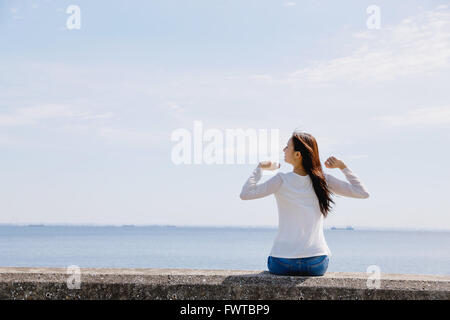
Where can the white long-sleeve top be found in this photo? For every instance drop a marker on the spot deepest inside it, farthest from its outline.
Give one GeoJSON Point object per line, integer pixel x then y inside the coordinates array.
{"type": "Point", "coordinates": [300, 221]}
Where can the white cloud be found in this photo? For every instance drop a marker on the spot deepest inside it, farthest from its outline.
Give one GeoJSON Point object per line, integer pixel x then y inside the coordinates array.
{"type": "Point", "coordinates": [106, 115]}
{"type": "Point", "coordinates": [32, 115]}
{"type": "Point", "coordinates": [289, 4]}
{"type": "Point", "coordinates": [6, 140]}
{"type": "Point", "coordinates": [419, 45]}
{"type": "Point", "coordinates": [175, 107]}
{"type": "Point", "coordinates": [436, 116]}
{"type": "Point", "coordinates": [175, 110]}
{"type": "Point", "coordinates": [356, 156]}
{"type": "Point", "coordinates": [263, 77]}
{"type": "Point", "coordinates": [131, 136]}
{"type": "Point", "coordinates": [78, 121]}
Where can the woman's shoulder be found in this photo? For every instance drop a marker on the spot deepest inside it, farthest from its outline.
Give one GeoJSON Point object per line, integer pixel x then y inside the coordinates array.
{"type": "Point", "coordinates": [292, 178]}
{"type": "Point", "coordinates": [278, 177]}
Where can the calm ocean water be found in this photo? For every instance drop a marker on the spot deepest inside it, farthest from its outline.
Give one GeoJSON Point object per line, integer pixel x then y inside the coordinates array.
{"type": "Point", "coordinates": [421, 252]}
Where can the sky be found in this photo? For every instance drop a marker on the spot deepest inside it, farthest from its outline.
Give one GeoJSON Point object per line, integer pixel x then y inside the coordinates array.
{"type": "Point", "coordinates": [87, 115]}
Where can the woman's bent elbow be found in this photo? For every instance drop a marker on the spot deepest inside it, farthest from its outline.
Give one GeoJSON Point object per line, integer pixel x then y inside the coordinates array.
{"type": "Point", "coordinates": [364, 195]}
{"type": "Point", "coordinates": [247, 196]}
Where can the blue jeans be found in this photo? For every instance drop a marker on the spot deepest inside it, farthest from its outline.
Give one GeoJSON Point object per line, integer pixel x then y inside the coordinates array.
{"type": "Point", "coordinates": [310, 266]}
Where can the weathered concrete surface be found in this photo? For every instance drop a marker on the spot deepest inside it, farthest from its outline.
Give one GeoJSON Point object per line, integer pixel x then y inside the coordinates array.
{"type": "Point", "coordinates": [51, 283]}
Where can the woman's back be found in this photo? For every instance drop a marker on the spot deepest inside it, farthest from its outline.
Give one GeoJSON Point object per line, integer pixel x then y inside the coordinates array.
{"type": "Point", "coordinates": [300, 221]}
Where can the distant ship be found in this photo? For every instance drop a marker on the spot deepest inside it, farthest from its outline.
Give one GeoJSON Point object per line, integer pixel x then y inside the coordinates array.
{"type": "Point", "coordinates": [346, 228]}
{"type": "Point", "coordinates": [36, 225]}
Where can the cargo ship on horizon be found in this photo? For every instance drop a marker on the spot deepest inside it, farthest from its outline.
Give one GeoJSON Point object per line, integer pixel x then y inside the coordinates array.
{"type": "Point", "coordinates": [346, 228]}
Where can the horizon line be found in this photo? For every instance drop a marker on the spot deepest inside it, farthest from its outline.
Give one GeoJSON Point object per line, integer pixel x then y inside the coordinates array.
{"type": "Point", "coordinates": [215, 226]}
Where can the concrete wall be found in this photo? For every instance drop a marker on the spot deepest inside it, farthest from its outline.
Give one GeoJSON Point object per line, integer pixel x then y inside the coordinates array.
{"type": "Point", "coordinates": [52, 283]}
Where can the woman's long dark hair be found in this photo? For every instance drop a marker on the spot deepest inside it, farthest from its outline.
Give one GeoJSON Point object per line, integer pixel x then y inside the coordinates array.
{"type": "Point", "coordinates": [307, 145]}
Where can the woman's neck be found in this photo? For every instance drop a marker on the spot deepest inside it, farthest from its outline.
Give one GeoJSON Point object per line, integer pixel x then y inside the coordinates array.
{"type": "Point", "coordinates": [300, 170]}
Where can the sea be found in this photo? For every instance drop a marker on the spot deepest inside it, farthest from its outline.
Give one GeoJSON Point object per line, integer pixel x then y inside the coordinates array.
{"type": "Point", "coordinates": [236, 248]}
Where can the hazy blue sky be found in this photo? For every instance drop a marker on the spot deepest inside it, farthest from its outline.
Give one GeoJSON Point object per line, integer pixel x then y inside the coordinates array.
{"type": "Point", "coordinates": [86, 115]}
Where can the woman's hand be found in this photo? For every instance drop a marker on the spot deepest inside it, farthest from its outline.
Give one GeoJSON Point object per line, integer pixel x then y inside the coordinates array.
{"type": "Point", "coordinates": [333, 162]}
{"type": "Point", "coordinates": [268, 165]}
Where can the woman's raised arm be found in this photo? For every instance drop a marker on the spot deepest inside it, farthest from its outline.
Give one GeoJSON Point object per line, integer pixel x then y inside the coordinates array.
{"type": "Point", "coordinates": [253, 190]}
{"type": "Point", "coordinates": [353, 188]}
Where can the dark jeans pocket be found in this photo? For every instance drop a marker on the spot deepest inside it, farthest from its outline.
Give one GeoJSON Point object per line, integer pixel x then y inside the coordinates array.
{"type": "Point", "coordinates": [317, 266]}
{"type": "Point", "coordinates": [279, 266]}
